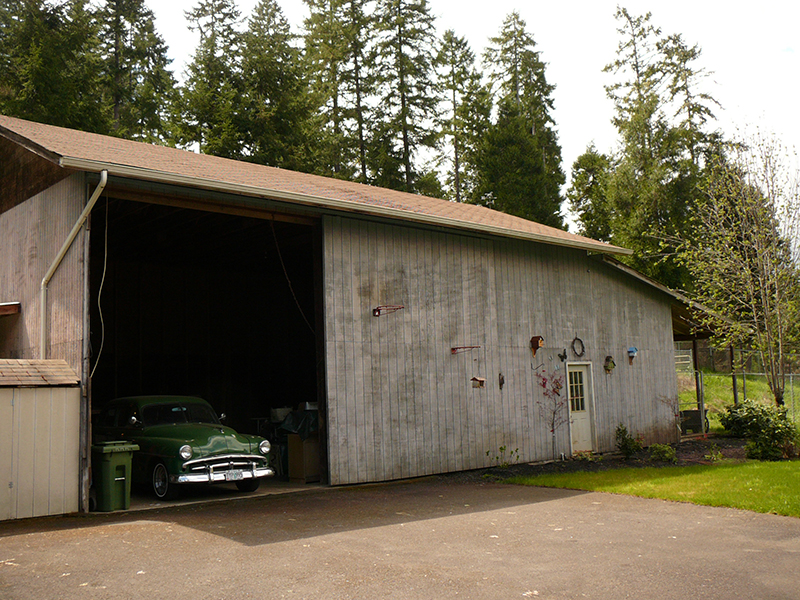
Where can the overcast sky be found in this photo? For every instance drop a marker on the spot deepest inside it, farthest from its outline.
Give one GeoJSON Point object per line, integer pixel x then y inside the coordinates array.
{"type": "Point", "coordinates": [751, 48]}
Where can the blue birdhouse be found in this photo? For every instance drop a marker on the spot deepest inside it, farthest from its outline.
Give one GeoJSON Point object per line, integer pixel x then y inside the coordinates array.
{"type": "Point", "coordinates": [632, 352]}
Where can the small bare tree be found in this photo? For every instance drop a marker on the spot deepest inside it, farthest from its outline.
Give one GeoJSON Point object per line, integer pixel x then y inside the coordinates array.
{"type": "Point", "coordinates": [745, 251]}
{"type": "Point", "coordinates": [553, 405]}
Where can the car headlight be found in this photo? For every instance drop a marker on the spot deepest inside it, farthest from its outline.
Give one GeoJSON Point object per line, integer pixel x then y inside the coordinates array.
{"type": "Point", "coordinates": [185, 452]}
{"type": "Point", "coordinates": [264, 447]}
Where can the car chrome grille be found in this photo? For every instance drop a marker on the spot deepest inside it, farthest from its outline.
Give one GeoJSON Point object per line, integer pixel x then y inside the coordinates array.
{"type": "Point", "coordinates": [224, 463]}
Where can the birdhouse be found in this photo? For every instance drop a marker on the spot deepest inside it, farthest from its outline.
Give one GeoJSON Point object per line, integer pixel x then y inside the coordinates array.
{"type": "Point", "coordinates": [478, 382]}
{"type": "Point", "coordinates": [609, 364]}
{"type": "Point", "coordinates": [537, 342]}
{"type": "Point", "coordinates": [632, 352]}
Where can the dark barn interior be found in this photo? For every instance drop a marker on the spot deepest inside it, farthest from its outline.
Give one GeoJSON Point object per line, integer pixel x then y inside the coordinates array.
{"type": "Point", "coordinates": [190, 302]}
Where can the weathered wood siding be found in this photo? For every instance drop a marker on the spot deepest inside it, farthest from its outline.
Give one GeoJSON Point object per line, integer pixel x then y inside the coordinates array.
{"type": "Point", "coordinates": [31, 234]}
{"type": "Point", "coordinates": [400, 404]}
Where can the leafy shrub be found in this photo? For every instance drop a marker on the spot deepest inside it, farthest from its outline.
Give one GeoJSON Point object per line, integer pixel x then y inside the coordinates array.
{"type": "Point", "coordinates": [770, 433]}
{"type": "Point", "coordinates": [663, 453]}
{"type": "Point", "coordinates": [627, 444]}
{"type": "Point", "coordinates": [587, 455]}
{"type": "Point", "coordinates": [505, 457]}
{"type": "Point", "coordinates": [745, 419]}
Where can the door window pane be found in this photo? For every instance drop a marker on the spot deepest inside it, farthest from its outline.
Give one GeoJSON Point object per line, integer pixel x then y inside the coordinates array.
{"type": "Point", "coordinates": [577, 397]}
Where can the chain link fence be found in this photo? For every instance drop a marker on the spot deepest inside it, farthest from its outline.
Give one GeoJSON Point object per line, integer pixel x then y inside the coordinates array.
{"type": "Point", "coordinates": [714, 379]}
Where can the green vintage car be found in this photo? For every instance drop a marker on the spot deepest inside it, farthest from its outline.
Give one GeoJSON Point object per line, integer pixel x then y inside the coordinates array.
{"type": "Point", "coordinates": [182, 441]}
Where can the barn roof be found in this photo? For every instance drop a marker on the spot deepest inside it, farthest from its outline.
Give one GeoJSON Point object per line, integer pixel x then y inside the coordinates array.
{"type": "Point", "coordinates": [80, 151]}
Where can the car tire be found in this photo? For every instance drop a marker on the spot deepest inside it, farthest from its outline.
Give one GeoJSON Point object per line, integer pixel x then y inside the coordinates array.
{"type": "Point", "coordinates": [248, 485]}
{"type": "Point", "coordinates": [162, 487]}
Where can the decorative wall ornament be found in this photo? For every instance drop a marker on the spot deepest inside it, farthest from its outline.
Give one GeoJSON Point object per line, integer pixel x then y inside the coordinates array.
{"type": "Point", "coordinates": [478, 382]}
{"type": "Point", "coordinates": [537, 342]}
{"type": "Point", "coordinates": [578, 349]}
{"type": "Point", "coordinates": [609, 364]}
{"type": "Point", "coordinates": [563, 355]}
{"type": "Point", "coordinates": [632, 352]}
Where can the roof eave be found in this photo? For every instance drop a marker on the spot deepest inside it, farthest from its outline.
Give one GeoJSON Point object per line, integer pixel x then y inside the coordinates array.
{"type": "Point", "coordinates": [31, 146]}
{"type": "Point", "coordinates": [166, 177]}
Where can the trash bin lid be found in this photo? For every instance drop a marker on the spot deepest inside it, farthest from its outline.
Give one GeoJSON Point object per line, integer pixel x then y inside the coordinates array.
{"type": "Point", "coordinates": [106, 447]}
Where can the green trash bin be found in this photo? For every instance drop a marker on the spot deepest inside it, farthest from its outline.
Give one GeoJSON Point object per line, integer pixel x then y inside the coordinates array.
{"type": "Point", "coordinates": [111, 475]}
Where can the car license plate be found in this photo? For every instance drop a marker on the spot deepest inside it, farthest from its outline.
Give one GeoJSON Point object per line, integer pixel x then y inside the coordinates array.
{"type": "Point", "coordinates": [235, 475]}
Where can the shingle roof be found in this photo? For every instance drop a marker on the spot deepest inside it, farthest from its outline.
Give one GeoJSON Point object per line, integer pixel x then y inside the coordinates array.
{"type": "Point", "coordinates": [28, 373]}
{"type": "Point", "coordinates": [91, 152]}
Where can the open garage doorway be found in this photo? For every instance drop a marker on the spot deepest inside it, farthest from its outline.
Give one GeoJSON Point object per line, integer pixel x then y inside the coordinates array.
{"type": "Point", "coordinates": [221, 306]}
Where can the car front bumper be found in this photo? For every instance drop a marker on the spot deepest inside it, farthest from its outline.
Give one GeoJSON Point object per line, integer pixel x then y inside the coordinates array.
{"type": "Point", "coordinates": [219, 469]}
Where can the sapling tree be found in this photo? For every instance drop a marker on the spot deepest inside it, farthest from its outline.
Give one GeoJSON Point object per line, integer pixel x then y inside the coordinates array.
{"type": "Point", "coordinates": [552, 405]}
{"type": "Point", "coordinates": [744, 254]}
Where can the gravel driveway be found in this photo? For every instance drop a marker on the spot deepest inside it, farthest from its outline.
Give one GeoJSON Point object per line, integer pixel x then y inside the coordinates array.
{"type": "Point", "coordinates": [433, 538]}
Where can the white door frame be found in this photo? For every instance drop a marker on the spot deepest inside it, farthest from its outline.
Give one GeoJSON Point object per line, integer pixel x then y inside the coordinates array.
{"type": "Point", "coordinates": [590, 387]}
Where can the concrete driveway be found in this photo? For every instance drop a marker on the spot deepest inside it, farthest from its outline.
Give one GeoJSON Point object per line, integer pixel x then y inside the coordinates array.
{"type": "Point", "coordinates": [431, 538]}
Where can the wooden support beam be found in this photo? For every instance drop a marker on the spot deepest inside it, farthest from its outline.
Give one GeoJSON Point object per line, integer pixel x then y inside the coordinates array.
{"type": "Point", "coordinates": [207, 206]}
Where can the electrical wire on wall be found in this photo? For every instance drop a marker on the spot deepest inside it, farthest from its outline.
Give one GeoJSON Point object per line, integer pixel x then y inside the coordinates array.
{"type": "Point", "coordinates": [100, 293]}
{"type": "Point", "coordinates": [288, 281]}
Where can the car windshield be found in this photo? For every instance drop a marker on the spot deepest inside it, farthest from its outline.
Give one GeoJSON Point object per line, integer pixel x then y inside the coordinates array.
{"type": "Point", "coordinates": [166, 414]}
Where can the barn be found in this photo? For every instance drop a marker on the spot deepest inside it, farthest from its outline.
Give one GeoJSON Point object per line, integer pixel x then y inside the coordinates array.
{"type": "Point", "coordinates": [424, 336]}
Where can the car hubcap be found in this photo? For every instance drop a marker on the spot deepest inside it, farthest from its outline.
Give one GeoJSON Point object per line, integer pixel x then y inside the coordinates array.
{"type": "Point", "coordinates": [160, 481]}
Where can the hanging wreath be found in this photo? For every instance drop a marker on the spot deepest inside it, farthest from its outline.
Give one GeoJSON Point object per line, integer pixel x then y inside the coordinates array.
{"type": "Point", "coordinates": [578, 347]}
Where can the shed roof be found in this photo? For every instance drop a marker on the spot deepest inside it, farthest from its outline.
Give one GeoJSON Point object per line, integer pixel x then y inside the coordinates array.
{"type": "Point", "coordinates": [28, 373]}
{"type": "Point", "coordinates": [81, 151]}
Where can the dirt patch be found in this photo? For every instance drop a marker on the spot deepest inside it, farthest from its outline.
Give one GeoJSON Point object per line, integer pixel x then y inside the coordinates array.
{"type": "Point", "coordinates": [692, 451]}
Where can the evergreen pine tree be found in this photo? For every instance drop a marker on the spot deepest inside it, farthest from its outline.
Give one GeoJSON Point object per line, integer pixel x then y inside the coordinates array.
{"type": "Point", "coordinates": [466, 113]}
{"type": "Point", "coordinates": [587, 194]}
{"type": "Point", "coordinates": [661, 116]}
{"type": "Point", "coordinates": [50, 64]}
{"type": "Point", "coordinates": [403, 60]}
{"type": "Point", "coordinates": [278, 108]}
{"type": "Point", "coordinates": [137, 83]}
{"type": "Point", "coordinates": [520, 159]}
{"type": "Point", "coordinates": [339, 35]}
{"type": "Point", "coordinates": [212, 97]}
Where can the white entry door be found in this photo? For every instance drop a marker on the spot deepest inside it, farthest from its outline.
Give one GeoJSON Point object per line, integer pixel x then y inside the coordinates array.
{"type": "Point", "coordinates": [580, 407]}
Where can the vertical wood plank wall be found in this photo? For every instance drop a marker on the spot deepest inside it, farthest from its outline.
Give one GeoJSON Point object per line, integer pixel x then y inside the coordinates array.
{"type": "Point", "coordinates": [39, 451]}
{"type": "Point", "coordinates": [31, 234]}
{"type": "Point", "coordinates": [400, 404]}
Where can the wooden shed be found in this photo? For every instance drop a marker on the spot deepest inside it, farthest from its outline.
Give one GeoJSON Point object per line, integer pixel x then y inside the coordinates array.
{"type": "Point", "coordinates": [39, 438]}
{"type": "Point", "coordinates": [263, 289]}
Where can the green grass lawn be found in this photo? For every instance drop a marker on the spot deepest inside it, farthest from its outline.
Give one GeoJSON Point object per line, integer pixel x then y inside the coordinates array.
{"type": "Point", "coordinates": [765, 487]}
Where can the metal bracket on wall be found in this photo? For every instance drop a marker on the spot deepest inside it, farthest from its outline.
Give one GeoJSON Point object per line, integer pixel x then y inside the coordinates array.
{"type": "Point", "coordinates": [386, 309]}
{"type": "Point", "coordinates": [458, 349]}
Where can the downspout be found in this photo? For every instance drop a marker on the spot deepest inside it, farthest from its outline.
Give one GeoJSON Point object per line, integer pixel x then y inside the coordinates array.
{"type": "Point", "coordinates": [59, 257]}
